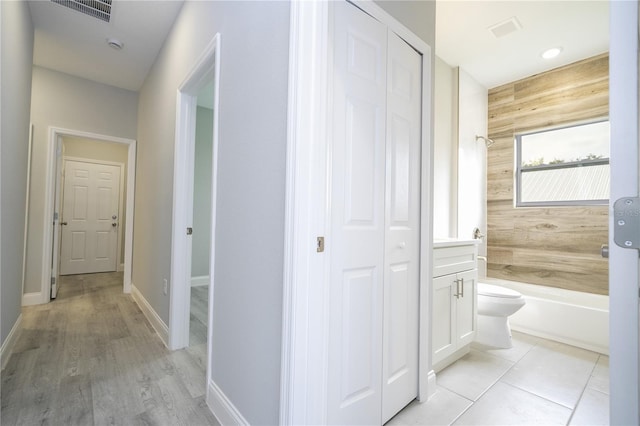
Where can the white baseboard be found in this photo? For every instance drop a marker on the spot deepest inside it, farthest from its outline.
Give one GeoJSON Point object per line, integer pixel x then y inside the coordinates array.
{"type": "Point", "coordinates": [431, 384]}
{"type": "Point", "coordinates": [200, 281]}
{"type": "Point", "coordinates": [10, 341]}
{"type": "Point", "coordinates": [223, 410]}
{"type": "Point", "coordinates": [154, 319]}
{"type": "Point", "coordinates": [29, 299]}
{"type": "Point", "coordinates": [448, 360]}
{"type": "Point", "coordinates": [121, 267]}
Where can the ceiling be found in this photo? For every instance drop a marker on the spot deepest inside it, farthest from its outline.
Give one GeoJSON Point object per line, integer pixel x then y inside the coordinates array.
{"type": "Point", "coordinates": [73, 43]}
{"type": "Point", "coordinates": [463, 37]}
{"type": "Point", "coordinates": [68, 41]}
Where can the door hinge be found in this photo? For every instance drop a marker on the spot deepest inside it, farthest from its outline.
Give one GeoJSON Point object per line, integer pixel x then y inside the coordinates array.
{"type": "Point", "coordinates": [189, 231]}
{"type": "Point", "coordinates": [53, 280]}
{"type": "Point", "coordinates": [55, 216]}
{"type": "Point", "coordinates": [626, 222]}
{"type": "Point", "coordinates": [320, 245]}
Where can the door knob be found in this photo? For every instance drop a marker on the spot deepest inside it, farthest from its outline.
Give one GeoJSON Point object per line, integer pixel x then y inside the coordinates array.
{"type": "Point", "coordinates": [604, 250]}
{"type": "Point", "coordinates": [114, 224]}
{"type": "Point", "coordinates": [63, 223]}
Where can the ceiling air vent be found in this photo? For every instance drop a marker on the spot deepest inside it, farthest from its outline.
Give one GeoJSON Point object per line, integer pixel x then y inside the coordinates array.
{"type": "Point", "coordinates": [100, 9]}
{"type": "Point", "coordinates": [504, 28]}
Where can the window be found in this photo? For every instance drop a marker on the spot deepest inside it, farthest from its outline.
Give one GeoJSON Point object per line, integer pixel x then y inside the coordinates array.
{"type": "Point", "coordinates": [566, 166]}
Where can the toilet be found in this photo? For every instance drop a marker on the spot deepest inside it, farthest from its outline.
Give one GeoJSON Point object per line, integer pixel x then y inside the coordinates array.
{"type": "Point", "coordinates": [495, 305]}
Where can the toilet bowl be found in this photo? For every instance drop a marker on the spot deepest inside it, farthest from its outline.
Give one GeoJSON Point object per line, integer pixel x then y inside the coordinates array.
{"type": "Point", "coordinates": [495, 305]}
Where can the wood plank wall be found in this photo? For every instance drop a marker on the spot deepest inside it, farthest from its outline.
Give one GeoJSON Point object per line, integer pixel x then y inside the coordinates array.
{"type": "Point", "coordinates": [559, 246]}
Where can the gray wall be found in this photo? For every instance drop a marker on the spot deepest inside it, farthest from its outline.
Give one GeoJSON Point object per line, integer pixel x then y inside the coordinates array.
{"type": "Point", "coordinates": [69, 102]}
{"type": "Point", "coordinates": [16, 50]}
{"type": "Point", "coordinates": [202, 194]}
{"type": "Point", "coordinates": [104, 151]}
{"type": "Point", "coordinates": [418, 16]}
{"type": "Point", "coordinates": [247, 314]}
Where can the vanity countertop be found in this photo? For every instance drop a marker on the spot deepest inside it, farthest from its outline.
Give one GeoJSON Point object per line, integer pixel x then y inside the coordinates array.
{"type": "Point", "coordinates": [451, 242]}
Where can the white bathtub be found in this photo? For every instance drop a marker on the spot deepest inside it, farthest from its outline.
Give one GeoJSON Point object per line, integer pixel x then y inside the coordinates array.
{"type": "Point", "coordinates": [572, 317]}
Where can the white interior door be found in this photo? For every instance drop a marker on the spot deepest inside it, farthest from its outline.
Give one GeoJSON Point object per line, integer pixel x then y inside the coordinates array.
{"type": "Point", "coordinates": [624, 265]}
{"type": "Point", "coordinates": [402, 224]}
{"type": "Point", "coordinates": [358, 229]}
{"type": "Point", "coordinates": [89, 218]}
{"type": "Point", "coordinates": [374, 239]}
{"type": "Point", "coordinates": [55, 258]}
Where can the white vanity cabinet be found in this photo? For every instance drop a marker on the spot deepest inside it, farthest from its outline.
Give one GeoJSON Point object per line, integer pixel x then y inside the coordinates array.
{"type": "Point", "coordinates": [455, 275]}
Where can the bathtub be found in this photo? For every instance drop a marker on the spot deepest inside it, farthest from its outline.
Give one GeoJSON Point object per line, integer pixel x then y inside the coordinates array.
{"type": "Point", "coordinates": [571, 317]}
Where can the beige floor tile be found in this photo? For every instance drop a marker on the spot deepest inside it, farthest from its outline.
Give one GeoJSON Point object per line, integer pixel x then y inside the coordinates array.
{"type": "Point", "coordinates": [441, 409]}
{"type": "Point", "coordinates": [554, 371]}
{"type": "Point", "coordinates": [473, 374]}
{"type": "Point", "coordinates": [593, 409]}
{"type": "Point", "coordinates": [543, 383]}
{"type": "Point", "coordinates": [600, 377]}
{"type": "Point", "coordinates": [504, 404]}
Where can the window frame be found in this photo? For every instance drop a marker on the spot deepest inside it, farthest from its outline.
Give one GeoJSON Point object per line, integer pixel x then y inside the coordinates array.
{"type": "Point", "coordinates": [518, 169]}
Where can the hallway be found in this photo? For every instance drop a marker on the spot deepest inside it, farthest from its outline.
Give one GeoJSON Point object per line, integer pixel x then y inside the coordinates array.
{"type": "Point", "coordinates": [91, 357]}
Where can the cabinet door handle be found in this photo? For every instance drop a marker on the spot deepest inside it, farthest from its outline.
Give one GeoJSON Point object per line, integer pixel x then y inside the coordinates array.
{"type": "Point", "coordinates": [462, 286]}
{"type": "Point", "coordinates": [457, 295]}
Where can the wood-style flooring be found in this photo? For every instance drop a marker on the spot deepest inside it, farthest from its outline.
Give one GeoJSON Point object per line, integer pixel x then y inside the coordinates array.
{"type": "Point", "coordinates": [91, 358]}
{"type": "Point", "coordinates": [199, 312]}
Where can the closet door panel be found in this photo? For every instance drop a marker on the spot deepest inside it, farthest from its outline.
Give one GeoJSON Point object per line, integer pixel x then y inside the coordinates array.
{"type": "Point", "coordinates": [363, 156]}
{"type": "Point", "coordinates": [359, 332]}
{"type": "Point", "coordinates": [402, 228]}
{"type": "Point", "coordinates": [356, 241]}
{"type": "Point", "coordinates": [398, 318]}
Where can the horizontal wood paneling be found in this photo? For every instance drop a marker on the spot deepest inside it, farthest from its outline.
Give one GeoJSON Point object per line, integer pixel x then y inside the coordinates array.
{"type": "Point", "coordinates": [559, 246]}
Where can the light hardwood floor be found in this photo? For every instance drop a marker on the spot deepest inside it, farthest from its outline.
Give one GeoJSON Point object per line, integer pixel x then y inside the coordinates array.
{"type": "Point", "coordinates": [199, 312]}
{"type": "Point", "coordinates": [91, 358]}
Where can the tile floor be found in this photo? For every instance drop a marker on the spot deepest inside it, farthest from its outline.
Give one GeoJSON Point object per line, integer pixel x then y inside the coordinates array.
{"type": "Point", "coordinates": [537, 382]}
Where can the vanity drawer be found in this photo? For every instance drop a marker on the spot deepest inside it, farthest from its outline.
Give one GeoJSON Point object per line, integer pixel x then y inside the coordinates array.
{"type": "Point", "coordinates": [449, 260]}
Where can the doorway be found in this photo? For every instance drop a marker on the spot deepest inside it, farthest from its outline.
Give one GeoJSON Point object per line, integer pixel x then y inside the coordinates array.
{"type": "Point", "coordinates": [201, 236]}
{"type": "Point", "coordinates": [83, 145]}
{"type": "Point", "coordinates": [194, 199]}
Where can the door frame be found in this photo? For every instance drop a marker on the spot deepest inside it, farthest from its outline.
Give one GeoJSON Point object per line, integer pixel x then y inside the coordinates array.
{"type": "Point", "coordinates": [205, 70]}
{"type": "Point", "coordinates": [121, 203]}
{"type": "Point", "coordinates": [624, 265]}
{"type": "Point", "coordinates": [52, 173]}
{"type": "Point", "coordinates": [305, 309]}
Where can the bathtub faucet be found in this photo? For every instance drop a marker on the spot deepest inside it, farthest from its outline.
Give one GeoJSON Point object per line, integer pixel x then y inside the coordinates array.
{"type": "Point", "coordinates": [477, 235]}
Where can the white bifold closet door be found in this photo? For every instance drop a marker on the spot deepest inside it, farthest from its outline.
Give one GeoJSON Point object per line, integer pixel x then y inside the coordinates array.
{"type": "Point", "coordinates": [375, 213]}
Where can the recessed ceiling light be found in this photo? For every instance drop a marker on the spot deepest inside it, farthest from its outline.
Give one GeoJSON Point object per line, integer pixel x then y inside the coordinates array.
{"type": "Point", "coordinates": [115, 43]}
{"type": "Point", "coordinates": [551, 53]}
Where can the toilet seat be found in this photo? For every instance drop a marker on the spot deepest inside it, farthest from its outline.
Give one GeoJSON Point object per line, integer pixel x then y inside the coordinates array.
{"type": "Point", "coordinates": [497, 291]}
